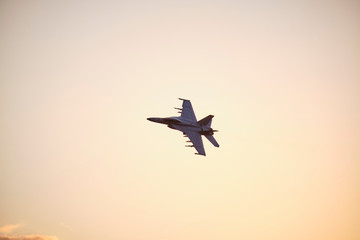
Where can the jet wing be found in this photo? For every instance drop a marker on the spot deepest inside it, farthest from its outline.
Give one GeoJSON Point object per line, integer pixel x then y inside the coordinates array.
{"type": "Point", "coordinates": [187, 110]}
{"type": "Point", "coordinates": [196, 140]}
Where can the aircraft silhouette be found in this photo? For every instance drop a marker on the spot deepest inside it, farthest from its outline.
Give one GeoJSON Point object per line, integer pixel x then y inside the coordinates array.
{"type": "Point", "coordinates": [190, 127]}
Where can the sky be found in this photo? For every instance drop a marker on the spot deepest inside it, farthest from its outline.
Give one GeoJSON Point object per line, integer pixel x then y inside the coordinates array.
{"type": "Point", "coordinates": [79, 160]}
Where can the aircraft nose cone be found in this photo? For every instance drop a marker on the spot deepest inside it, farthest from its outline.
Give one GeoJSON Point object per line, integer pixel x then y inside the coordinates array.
{"type": "Point", "coordinates": [156, 119]}
{"type": "Point", "coordinates": [152, 119]}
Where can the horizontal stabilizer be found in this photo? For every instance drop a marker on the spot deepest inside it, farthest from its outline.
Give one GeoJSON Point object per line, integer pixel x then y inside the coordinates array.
{"type": "Point", "coordinates": [212, 140]}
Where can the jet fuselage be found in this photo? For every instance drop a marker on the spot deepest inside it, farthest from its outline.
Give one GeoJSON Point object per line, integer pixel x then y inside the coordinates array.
{"type": "Point", "coordinates": [190, 127]}
{"type": "Point", "coordinates": [182, 125]}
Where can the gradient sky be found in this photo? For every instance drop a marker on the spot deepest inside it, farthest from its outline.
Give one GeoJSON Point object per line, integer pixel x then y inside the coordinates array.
{"type": "Point", "coordinates": [78, 160]}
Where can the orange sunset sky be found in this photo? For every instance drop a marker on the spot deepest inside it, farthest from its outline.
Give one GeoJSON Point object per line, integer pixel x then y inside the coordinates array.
{"type": "Point", "coordinates": [79, 160]}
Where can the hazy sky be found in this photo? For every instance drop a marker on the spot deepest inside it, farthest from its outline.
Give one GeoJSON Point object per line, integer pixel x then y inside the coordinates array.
{"type": "Point", "coordinates": [79, 160]}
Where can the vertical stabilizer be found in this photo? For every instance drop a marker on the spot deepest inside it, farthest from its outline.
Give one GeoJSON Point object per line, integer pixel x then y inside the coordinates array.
{"type": "Point", "coordinates": [206, 121]}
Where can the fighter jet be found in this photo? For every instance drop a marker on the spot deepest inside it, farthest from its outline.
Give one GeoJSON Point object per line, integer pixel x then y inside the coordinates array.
{"type": "Point", "coordinates": [190, 127]}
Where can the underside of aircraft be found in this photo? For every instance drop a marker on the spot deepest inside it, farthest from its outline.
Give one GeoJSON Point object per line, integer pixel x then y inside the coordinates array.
{"type": "Point", "coordinates": [190, 127]}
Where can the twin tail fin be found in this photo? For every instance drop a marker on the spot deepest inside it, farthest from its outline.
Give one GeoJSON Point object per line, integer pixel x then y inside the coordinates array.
{"type": "Point", "coordinates": [206, 122]}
